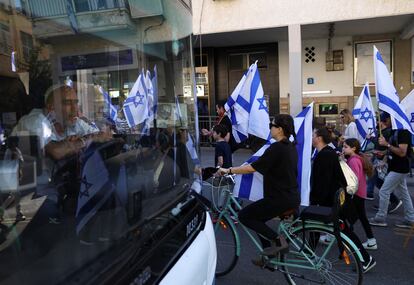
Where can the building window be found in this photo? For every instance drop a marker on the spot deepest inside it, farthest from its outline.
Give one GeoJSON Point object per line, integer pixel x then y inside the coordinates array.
{"type": "Point", "coordinates": [260, 57]}
{"type": "Point", "coordinates": [242, 61]}
{"type": "Point", "coordinates": [237, 61]}
{"type": "Point", "coordinates": [5, 41]}
{"type": "Point", "coordinates": [363, 60]}
{"type": "Point", "coordinates": [27, 45]}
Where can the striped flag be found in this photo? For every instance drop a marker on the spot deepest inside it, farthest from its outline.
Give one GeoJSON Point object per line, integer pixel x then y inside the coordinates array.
{"type": "Point", "coordinates": [303, 129]}
{"type": "Point", "coordinates": [250, 186]}
{"type": "Point", "coordinates": [364, 115]}
{"type": "Point", "coordinates": [96, 188]}
{"type": "Point", "coordinates": [110, 111]}
{"type": "Point", "coordinates": [247, 107]}
{"type": "Point", "coordinates": [136, 106]}
{"type": "Point", "coordinates": [408, 104]}
{"type": "Point", "coordinates": [387, 96]}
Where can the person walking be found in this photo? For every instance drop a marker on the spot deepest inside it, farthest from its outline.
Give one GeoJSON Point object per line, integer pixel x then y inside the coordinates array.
{"type": "Point", "coordinates": [398, 168]}
{"type": "Point", "coordinates": [362, 167]}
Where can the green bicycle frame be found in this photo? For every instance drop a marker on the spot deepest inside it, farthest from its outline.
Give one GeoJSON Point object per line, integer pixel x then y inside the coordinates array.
{"type": "Point", "coordinates": [285, 228]}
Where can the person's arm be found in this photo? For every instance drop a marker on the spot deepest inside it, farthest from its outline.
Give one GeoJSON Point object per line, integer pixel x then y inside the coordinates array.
{"type": "Point", "coordinates": [59, 149]}
{"type": "Point", "coordinates": [243, 169]}
{"type": "Point", "coordinates": [400, 150]}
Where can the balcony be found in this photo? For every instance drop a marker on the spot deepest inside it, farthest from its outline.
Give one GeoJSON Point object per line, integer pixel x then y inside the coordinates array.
{"type": "Point", "coordinates": [51, 17]}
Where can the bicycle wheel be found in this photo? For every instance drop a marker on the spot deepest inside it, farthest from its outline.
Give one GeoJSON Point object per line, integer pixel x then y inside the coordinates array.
{"type": "Point", "coordinates": [227, 245]}
{"type": "Point", "coordinates": [331, 269]}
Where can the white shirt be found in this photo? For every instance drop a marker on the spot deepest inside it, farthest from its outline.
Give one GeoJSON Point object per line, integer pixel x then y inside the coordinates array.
{"type": "Point", "coordinates": [34, 123]}
{"type": "Point", "coordinates": [351, 131]}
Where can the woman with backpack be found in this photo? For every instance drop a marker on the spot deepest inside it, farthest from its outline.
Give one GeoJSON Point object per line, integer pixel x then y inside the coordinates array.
{"type": "Point", "coordinates": [362, 167]}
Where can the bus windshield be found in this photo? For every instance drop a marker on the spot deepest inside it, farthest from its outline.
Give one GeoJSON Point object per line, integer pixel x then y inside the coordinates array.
{"type": "Point", "coordinates": [97, 132]}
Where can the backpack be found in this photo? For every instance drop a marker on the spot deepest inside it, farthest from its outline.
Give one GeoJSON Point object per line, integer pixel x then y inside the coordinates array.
{"type": "Point", "coordinates": [410, 153]}
{"type": "Point", "coordinates": [351, 178]}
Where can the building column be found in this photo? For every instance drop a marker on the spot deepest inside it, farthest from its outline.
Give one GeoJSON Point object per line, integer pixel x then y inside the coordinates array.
{"type": "Point", "coordinates": [295, 69]}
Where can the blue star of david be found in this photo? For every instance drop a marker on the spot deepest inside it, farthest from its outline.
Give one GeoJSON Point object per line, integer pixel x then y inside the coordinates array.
{"type": "Point", "coordinates": [138, 97]}
{"type": "Point", "coordinates": [412, 118]}
{"type": "Point", "coordinates": [87, 187]}
{"type": "Point", "coordinates": [366, 115]}
{"type": "Point", "coordinates": [262, 105]}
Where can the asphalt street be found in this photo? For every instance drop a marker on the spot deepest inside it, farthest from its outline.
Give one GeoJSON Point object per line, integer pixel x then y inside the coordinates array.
{"type": "Point", "coordinates": [395, 264]}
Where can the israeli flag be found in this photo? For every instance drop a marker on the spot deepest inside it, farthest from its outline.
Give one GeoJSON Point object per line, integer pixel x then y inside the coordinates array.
{"type": "Point", "coordinates": [387, 96]}
{"type": "Point", "coordinates": [408, 104]}
{"type": "Point", "coordinates": [13, 61]}
{"type": "Point", "coordinates": [96, 188]}
{"type": "Point", "coordinates": [364, 115]}
{"type": "Point", "coordinates": [136, 106]}
{"type": "Point", "coordinates": [111, 111]}
{"type": "Point", "coordinates": [250, 186]}
{"type": "Point", "coordinates": [150, 102]}
{"type": "Point", "coordinates": [247, 107]}
{"type": "Point", "coordinates": [303, 129]}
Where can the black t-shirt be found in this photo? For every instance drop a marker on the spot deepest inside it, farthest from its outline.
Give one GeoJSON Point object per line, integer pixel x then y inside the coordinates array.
{"type": "Point", "coordinates": [279, 167]}
{"type": "Point", "coordinates": [223, 149]}
{"type": "Point", "coordinates": [225, 121]}
{"type": "Point", "coordinates": [396, 163]}
{"type": "Point", "coordinates": [326, 178]}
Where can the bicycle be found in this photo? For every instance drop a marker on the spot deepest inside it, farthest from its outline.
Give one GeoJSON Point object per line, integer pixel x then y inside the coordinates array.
{"type": "Point", "coordinates": [307, 261]}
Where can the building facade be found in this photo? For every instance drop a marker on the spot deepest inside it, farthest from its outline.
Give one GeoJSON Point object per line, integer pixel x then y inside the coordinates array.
{"type": "Point", "coordinates": [307, 51]}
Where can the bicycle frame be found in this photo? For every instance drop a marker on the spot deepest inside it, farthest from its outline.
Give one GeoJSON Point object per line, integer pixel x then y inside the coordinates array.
{"type": "Point", "coordinates": [285, 228]}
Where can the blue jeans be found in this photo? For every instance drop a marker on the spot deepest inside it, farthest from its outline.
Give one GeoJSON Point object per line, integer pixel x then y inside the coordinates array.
{"type": "Point", "coordinates": [395, 182]}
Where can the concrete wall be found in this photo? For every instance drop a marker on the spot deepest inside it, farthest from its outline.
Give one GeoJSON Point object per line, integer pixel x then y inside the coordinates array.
{"type": "Point", "coordinates": [339, 82]}
{"type": "Point", "coordinates": [236, 15]}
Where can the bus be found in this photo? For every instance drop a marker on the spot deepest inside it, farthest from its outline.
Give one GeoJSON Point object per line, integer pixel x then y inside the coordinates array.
{"type": "Point", "coordinates": [98, 136]}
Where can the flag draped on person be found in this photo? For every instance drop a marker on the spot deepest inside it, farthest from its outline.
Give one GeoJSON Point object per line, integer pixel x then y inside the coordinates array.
{"type": "Point", "coordinates": [250, 186]}
{"type": "Point", "coordinates": [408, 104]}
{"type": "Point", "coordinates": [110, 111]}
{"type": "Point", "coordinates": [247, 108]}
{"type": "Point", "coordinates": [364, 115]}
{"type": "Point", "coordinates": [387, 96]}
{"type": "Point", "coordinates": [136, 106]}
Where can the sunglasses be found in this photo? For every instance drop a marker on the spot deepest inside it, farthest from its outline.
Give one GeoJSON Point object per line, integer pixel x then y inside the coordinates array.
{"type": "Point", "coordinates": [273, 125]}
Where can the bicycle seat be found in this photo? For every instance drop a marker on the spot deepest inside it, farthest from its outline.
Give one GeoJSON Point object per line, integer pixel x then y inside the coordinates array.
{"type": "Point", "coordinates": [318, 213]}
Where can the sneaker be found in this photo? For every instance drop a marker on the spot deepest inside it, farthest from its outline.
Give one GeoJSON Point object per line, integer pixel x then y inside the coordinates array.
{"type": "Point", "coordinates": [20, 217]}
{"type": "Point", "coordinates": [405, 224]}
{"type": "Point", "coordinates": [368, 265]}
{"type": "Point", "coordinates": [370, 244]}
{"type": "Point", "coordinates": [394, 207]}
{"type": "Point", "coordinates": [377, 222]}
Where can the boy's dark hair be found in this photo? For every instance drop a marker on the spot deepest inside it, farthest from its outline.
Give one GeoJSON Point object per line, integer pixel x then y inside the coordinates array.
{"type": "Point", "coordinates": [220, 130]}
{"type": "Point", "coordinates": [324, 133]}
{"type": "Point", "coordinates": [286, 123]}
{"type": "Point", "coordinates": [221, 103]}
